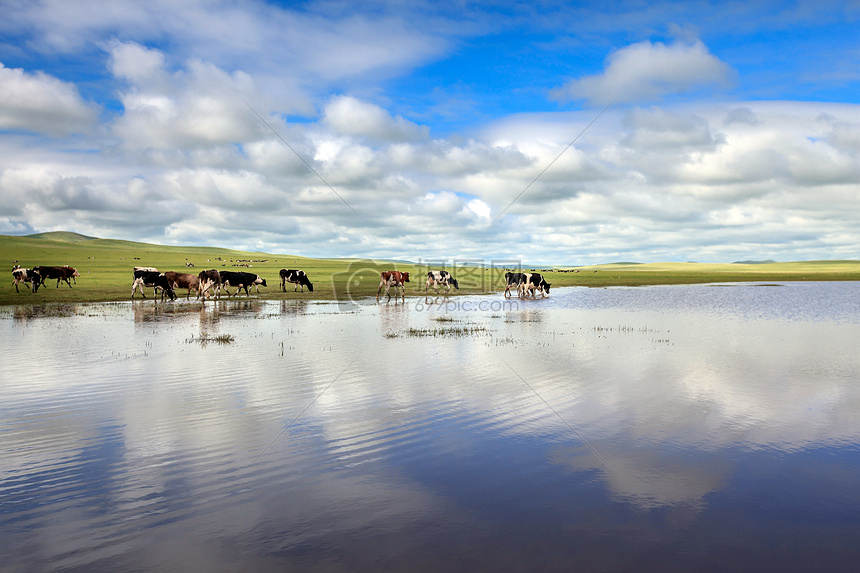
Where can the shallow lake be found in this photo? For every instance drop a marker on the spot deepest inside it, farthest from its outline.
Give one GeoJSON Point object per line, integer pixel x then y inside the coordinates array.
{"type": "Point", "coordinates": [672, 428]}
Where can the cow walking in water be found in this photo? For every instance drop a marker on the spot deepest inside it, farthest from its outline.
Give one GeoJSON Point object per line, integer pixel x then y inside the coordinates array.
{"type": "Point", "coordinates": [210, 279]}
{"type": "Point", "coordinates": [394, 279]}
{"type": "Point", "coordinates": [183, 280]}
{"type": "Point", "coordinates": [150, 277]}
{"type": "Point", "coordinates": [241, 280]}
{"type": "Point", "coordinates": [441, 278]}
{"type": "Point", "coordinates": [297, 277]}
{"type": "Point", "coordinates": [533, 284]}
{"type": "Point", "coordinates": [514, 280]}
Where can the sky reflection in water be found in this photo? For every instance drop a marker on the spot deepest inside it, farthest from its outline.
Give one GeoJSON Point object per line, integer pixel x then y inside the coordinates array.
{"type": "Point", "coordinates": [708, 427]}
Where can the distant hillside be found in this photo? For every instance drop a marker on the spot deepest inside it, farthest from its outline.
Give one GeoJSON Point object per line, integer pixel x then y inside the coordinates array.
{"type": "Point", "coordinates": [62, 236]}
{"type": "Point", "coordinates": [766, 262]}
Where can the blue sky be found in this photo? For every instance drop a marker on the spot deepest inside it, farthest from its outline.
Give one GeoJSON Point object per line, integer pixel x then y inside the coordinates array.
{"type": "Point", "coordinates": [734, 132]}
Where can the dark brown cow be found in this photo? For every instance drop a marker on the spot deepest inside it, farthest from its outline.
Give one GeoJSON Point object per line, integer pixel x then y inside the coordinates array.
{"type": "Point", "coordinates": [59, 273]}
{"type": "Point", "coordinates": [183, 280]}
{"type": "Point", "coordinates": [394, 279]}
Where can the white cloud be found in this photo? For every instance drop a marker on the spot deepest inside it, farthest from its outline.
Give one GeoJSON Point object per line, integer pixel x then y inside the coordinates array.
{"type": "Point", "coordinates": [351, 116]}
{"type": "Point", "coordinates": [190, 108]}
{"type": "Point", "coordinates": [648, 71]}
{"type": "Point", "coordinates": [38, 102]}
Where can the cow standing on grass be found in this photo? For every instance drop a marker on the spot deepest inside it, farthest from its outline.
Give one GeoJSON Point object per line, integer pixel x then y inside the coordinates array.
{"type": "Point", "coordinates": [25, 276]}
{"type": "Point", "coordinates": [210, 279]}
{"type": "Point", "coordinates": [59, 273]}
{"type": "Point", "coordinates": [440, 278]}
{"type": "Point", "coordinates": [394, 279]}
{"type": "Point", "coordinates": [296, 277]}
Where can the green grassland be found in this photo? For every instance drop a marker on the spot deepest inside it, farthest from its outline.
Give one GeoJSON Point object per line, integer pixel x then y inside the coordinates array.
{"type": "Point", "coordinates": [105, 266]}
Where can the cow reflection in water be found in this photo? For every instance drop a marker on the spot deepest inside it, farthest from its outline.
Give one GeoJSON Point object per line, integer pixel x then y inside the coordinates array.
{"type": "Point", "coordinates": [294, 307]}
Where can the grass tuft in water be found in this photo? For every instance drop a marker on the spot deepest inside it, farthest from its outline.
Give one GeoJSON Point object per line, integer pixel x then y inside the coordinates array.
{"type": "Point", "coordinates": [453, 331]}
{"type": "Point", "coordinates": [205, 339]}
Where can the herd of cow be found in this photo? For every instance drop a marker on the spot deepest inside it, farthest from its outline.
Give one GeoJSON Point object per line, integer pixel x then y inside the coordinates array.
{"type": "Point", "coordinates": [38, 275]}
{"type": "Point", "coordinates": [526, 284]}
{"type": "Point", "coordinates": [212, 282]}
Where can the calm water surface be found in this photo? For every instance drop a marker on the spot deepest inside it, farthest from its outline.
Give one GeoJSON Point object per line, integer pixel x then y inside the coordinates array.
{"type": "Point", "coordinates": [707, 428]}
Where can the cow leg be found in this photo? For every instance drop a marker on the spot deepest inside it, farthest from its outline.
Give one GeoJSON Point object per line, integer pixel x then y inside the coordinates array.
{"type": "Point", "coordinates": [134, 286]}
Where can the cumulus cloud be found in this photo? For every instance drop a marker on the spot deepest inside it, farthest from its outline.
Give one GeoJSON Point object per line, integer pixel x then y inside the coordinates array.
{"type": "Point", "coordinates": [649, 71]}
{"type": "Point", "coordinates": [282, 48]}
{"type": "Point", "coordinates": [41, 103]}
{"type": "Point", "coordinates": [189, 108]}
{"type": "Point", "coordinates": [350, 116]}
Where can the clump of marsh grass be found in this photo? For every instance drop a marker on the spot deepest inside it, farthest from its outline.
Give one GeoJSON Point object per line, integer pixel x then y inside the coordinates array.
{"type": "Point", "coordinates": [451, 331]}
{"type": "Point", "coordinates": [443, 332]}
{"type": "Point", "coordinates": [205, 338]}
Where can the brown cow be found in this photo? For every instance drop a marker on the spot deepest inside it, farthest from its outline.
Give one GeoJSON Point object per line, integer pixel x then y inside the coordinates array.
{"type": "Point", "coordinates": [183, 280]}
{"type": "Point", "coordinates": [59, 273]}
{"type": "Point", "coordinates": [394, 279]}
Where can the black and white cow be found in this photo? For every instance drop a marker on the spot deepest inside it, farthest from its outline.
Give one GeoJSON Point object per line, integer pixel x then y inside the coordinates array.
{"type": "Point", "coordinates": [535, 283]}
{"type": "Point", "coordinates": [441, 278]}
{"type": "Point", "coordinates": [240, 280]}
{"type": "Point", "coordinates": [296, 277]}
{"type": "Point", "coordinates": [514, 280]}
{"type": "Point", "coordinates": [26, 276]}
{"type": "Point", "coordinates": [150, 277]}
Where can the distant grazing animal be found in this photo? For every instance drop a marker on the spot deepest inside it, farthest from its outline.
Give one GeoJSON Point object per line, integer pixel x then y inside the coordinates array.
{"type": "Point", "coordinates": [184, 280]}
{"type": "Point", "coordinates": [59, 273]}
{"type": "Point", "coordinates": [25, 276]}
{"type": "Point", "coordinates": [441, 278]}
{"type": "Point", "coordinates": [394, 279]}
{"type": "Point", "coordinates": [297, 278]}
{"type": "Point", "coordinates": [514, 280]}
{"type": "Point", "coordinates": [210, 279]}
{"type": "Point", "coordinates": [535, 283]}
{"type": "Point", "coordinates": [150, 277]}
{"type": "Point", "coordinates": [241, 280]}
